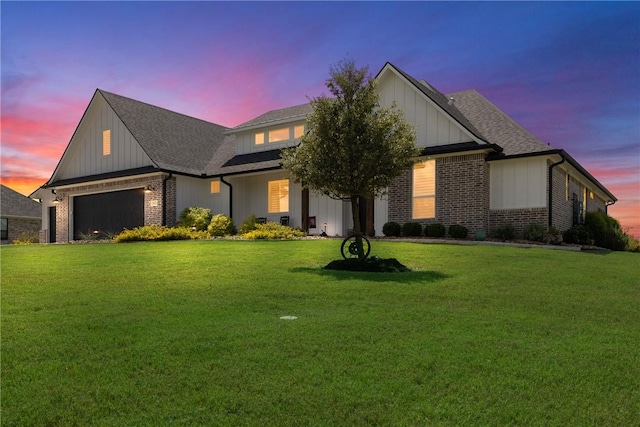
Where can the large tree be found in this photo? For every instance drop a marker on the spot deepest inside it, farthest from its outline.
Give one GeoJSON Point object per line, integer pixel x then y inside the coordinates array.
{"type": "Point", "coordinates": [352, 147]}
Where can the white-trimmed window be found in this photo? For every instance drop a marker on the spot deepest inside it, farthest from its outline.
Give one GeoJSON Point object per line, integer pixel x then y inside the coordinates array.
{"type": "Point", "coordinates": [106, 142]}
{"type": "Point", "coordinates": [298, 131]}
{"type": "Point", "coordinates": [215, 187]}
{"type": "Point", "coordinates": [278, 196]}
{"type": "Point", "coordinates": [276, 135]}
{"type": "Point", "coordinates": [259, 138]}
{"type": "Point", "coordinates": [424, 190]}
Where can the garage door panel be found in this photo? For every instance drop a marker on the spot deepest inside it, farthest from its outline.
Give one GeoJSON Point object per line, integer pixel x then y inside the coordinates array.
{"type": "Point", "coordinates": [108, 212]}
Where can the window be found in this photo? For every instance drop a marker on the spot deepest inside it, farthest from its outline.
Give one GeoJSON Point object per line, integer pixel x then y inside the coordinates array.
{"type": "Point", "coordinates": [215, 187]}
{"type": "Point", "coordinates": [278, 196]}
{"type": "Point", "coordinates": [424, 189]}
{"type": "Point", "coordinates": [4, 228]}
{"type": "Point", "coordinates": [106, 142]}
{"type": "Point", "coordinates": [276, 135]}
{"type": "Point", "coordinates": [591, 195]}
{"type": "Point", "coordinates": [566, 187]}
{"type": "Point", "coordinates": [259, 138]}
{"type": "Point", "coordinates": [298, 131]}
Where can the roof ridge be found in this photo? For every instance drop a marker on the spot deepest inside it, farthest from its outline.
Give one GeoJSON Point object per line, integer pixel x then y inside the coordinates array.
{"type": "Point", "coordinates": [102, 91]}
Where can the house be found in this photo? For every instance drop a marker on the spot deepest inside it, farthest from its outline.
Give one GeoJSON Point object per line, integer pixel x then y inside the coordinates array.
{"type": "Point", "coordinates": [129, 163]}
{"type": "Point", "coordinates": [20, 216]}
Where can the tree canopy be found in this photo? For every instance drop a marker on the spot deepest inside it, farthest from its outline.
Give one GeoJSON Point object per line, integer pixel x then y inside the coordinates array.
{"type": "Point", "coordinates": [352, 147]}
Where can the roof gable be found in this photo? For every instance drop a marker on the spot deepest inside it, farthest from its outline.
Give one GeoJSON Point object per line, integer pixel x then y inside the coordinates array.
{"type": "Point", "coordinates": [173, 141]}
{"type": "Point", "coordinates": [16, 205]}
{"type": "Point", "coordinates": [436, 98]}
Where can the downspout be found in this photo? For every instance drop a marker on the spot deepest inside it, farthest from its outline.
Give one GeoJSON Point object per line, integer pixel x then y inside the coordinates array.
{"type": "Point", "coordinates": [606, 206]}
{"type": "Point", "coordinates": [164, 198]}
{"type": "Point", "coordinates": [551, 187]}
{"type": "Point", "coordinates": [230, 195]}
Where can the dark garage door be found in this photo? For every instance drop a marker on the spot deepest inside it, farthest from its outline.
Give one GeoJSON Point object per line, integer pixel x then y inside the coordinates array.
{"type": "Point", "coordinates": [108, 212]}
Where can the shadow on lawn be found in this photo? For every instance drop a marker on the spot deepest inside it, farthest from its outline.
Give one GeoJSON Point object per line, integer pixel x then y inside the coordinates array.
{"type": "Point", "coordinates": [406, 277]}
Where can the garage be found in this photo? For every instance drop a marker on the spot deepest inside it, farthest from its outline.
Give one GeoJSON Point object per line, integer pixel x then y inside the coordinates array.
{"type": "Point", "coordinates": [107, 213]}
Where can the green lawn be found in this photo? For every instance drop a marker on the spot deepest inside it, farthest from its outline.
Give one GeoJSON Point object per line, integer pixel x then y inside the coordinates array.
{"type": "Point", "coordinates": [189, 333]}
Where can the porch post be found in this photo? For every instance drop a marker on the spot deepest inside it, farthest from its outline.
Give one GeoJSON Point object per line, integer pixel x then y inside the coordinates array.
{"type": "Point", "coordinates": [305, 209]}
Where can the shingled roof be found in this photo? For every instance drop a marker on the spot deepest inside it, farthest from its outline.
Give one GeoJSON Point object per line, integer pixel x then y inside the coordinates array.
{"type": "Point", "coordinates": [173, 141]}
{"type": "Point", "coordinates": [14, 204]}
{"type": "Point", "coordinates": [277, 116]}
{"type": "Point", "coordinates": [496, 126]}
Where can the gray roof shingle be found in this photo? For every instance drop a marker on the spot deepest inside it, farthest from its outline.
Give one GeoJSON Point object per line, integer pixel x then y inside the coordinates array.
{"type": "Point", "coordinates": [173, 141]}
{"type": "Point", "coordinates": [496, 126]}
{"type": "Point", "coordinates": [282, 114]}
{"type": "Point", "coordinates": [15, 204]}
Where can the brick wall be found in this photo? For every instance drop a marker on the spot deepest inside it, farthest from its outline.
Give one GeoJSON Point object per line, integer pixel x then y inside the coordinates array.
{"type": "Point", "coordinates": [152, 201]}
{"type": "Point", "coordinates": [18, 226]}
{"type": "Point", "coordinates": [462, 193]}
{"type": "Point", "coordinates": [518, 218]}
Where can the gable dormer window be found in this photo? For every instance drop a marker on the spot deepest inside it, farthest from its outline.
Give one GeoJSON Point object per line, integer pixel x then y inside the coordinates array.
{"type": "Point", "coordinates": [277, 135]}
{"type": "Point", "coordinates": [298, 131]}
{"type": "Point", "coordinates": [106, 142]}
{"type": "Point", "coordinates": [259, 138]}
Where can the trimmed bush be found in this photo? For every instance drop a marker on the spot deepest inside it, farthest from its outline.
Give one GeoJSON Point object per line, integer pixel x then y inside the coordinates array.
{"type": "Point", "coordinates": [195, 216]}
{"type": "Point", "coordinates": [578, 234]}
{"type": "Point", "coordinates": [248, 225]}
{"type": "Point", "coordinates": [155, 233]}
{"type": "Point", "coordinates": [534, 233]}
{"type": "Point", "coordinates": [273, 231]}
{"type": "Point", "coordinates": [221, 225]}
{"type": "Point", "coordinates": [391, 229]}
{"type": "Point", "coordinates": [411, 229]}
{"type": "Point", "coordinates": [435, 230]}
{"type": "Point", "coordinates": [458, 231]}
{"type": "Point", "coordinates": [27, 238]}
{"type": "Point", "coordinates": [505, 232]}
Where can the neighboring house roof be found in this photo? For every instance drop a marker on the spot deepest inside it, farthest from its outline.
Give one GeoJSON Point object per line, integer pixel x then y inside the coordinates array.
{"type": "Point", "coordinates": [14, 204]}
{"type": "Point", "coordinates": [281, 115]}
{"type": "Point", "coordinates": [495, 125]}
{"type": "Point", "coordinates": [173, 141]}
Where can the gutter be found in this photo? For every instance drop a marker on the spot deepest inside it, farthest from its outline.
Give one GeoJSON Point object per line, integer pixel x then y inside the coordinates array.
{"type": "Point", "coordinates": [550, 184]}
{"type": "Point", "coordinates": [230, 195]}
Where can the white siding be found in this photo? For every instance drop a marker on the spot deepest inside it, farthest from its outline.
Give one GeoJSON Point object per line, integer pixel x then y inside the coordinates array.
{"type": "Point", "coordinates": [518, 183]}
{"type": "Point", "coordinates": [327, 211]}
{"type": "Point", "coordinates": [84, 155]}
{"type": "Point", "coordinates": [432, 126]}
{"type": "Point", "coordinates": [196, 192]}
{"type": "Point", "coordinates": [250, 197]}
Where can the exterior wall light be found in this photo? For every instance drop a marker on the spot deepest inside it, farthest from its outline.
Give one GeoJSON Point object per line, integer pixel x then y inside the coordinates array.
{"type": "Point", "coordinates": [148, 189]}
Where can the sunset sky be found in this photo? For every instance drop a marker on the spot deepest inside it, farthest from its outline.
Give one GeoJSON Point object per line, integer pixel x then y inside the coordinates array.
{"type": "Point", "coordinates": [568, 72]}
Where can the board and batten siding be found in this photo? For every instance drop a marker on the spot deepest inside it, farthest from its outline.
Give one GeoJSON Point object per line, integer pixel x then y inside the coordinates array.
{"type": "Point", "coordinates": [84, 156]}
{"type": "Point", "coordinates": [518, 183]}
{"type": "Point", "coordinates": [197, 192]}
{"type": "Point", "coordinates": [433, 128]}
{"type": "Point", "coordinates": [327, 211]}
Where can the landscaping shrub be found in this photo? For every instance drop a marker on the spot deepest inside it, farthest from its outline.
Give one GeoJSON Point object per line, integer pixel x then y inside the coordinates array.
{"type": "Point", "coordinates": [578, 234]}
{"type": "Point", "coordinates": [553, 236]}
{"type": "Point", "coordinates": [27, 238]}
{"type": "Point", "coordinates": [411, 229]}
{"type": "Point", "coordinates": [248, 225]}
{"type": "Point", "coordinates": [221, 225]}
{"type": "Point", "coordinates": [458, 231]}
{"type": "Point", "coordinates": [435, 230]}
{"type": "Point", "coordinates": [606, 231]}
{"type": "Point", "coordinates": [505, 232]}
{"type": "Point", "coordinates": [391, 229]}
{"type": "Point", "coordinates": [534, 232]}
{"type": "Point", "coordinates": [154, 233]}
{"type": "Point", "coordinates": [273, 231]}
{"type": "Point", "coordinates": [195, 217]}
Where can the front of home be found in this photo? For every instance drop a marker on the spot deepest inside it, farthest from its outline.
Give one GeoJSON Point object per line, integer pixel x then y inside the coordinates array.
{"type": "Point", "coordinates": [130, 164]}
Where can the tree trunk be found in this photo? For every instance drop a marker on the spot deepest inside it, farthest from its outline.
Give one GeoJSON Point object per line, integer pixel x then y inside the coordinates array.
{"type": "Point", "coordinates": [355, 213]}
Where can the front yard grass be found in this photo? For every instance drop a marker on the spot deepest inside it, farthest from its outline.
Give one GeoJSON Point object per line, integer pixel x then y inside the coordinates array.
{"type": "Point", "coordinates": [189, 333]}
